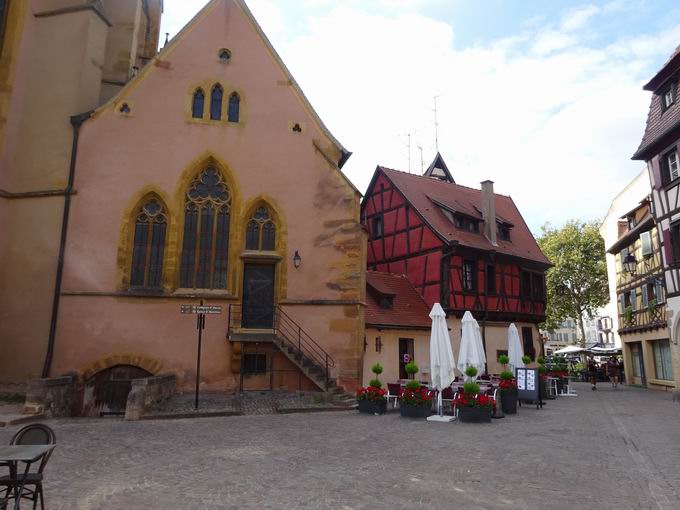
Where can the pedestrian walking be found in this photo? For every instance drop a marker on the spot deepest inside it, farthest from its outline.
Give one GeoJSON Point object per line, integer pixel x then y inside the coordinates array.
{"type": "Point", "coordinates": [592, 372]}
{"type": "Point", "coordinates": [613, 371]}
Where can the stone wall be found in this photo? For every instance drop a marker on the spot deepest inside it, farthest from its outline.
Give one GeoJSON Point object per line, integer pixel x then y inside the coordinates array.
{"type": "Point", "coordinates": [55, 397]}
{"type": "Point", "coordinates": [148, 392]}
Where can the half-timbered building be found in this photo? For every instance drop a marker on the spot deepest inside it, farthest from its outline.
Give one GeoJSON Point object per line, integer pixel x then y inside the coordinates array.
{"type": "Point", "coordinates": [468, 249]}
{"type": "Point", "coordinates": [641, 300]}
{"type": "Point", "coordinates": [659, 149]}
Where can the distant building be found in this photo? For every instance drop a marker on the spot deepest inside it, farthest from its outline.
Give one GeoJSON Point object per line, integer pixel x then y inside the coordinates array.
{"type": "Point", "coordinates": [468, 249]}
{"type": "Point", "coordinates": [659, 149]}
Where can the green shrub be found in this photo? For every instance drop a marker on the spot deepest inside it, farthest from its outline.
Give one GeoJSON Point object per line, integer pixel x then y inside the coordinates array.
{"type": "Point", "coordinates": [375, 383]}
{"type": "Point", "coordinates": [411, 368]}
{"type": "Point", "coordinates": [471, 371]}
{"type": "Point", "coordinates": [471, 388]}
{"type": "Point", "coordinates": [540, 361]}
{"type": "Point", "coordinates": [526, 360]}
{"type": "Point", "coordinates": [506, 375]}
{"type": "Point", "coordinates": [542, 369]}
{"type": "Point", "coordinates": [503, 359]}
{"type": "Point", "coordinates": [377, 369]}
{"type": "Point", "coordinates": [413, 385]}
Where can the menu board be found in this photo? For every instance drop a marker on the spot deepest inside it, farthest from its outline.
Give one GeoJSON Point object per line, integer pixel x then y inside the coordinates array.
{"type": "Point", "coordinates": [528, 386]}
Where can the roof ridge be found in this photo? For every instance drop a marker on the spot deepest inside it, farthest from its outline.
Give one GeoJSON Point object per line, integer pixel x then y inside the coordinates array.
{"type": "Point", "coordinates": [438, 180]}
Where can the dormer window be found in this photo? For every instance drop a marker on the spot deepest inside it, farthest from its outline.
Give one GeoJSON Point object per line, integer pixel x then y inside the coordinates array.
{"type": "Point", "coordinates": [467, 224]}
{"type": "Point", "coordinates": [386, 301]}
{"type": "Point", "coordinates": [668, 97]}
{"type": "Point", "coordinates": [504, 232]}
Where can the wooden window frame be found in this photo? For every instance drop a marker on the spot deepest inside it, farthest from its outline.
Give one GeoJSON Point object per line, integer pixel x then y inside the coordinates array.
{"type": "Point", "coordinates": [666, 176]}
{"type": "Point", "coordinates": [377, 227]}
{"type": "Point", "coordinates": [670, 89]}
{"type": "Point", "coordinates": [674, 231]}
{"type": "Point", "coordinates": [491, 290]}
{"type": "Point", "coordinates": [473, 276]}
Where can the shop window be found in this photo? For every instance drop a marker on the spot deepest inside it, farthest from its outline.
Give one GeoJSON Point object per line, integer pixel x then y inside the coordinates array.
{"type": "Point", "coordinates": [662, 360]}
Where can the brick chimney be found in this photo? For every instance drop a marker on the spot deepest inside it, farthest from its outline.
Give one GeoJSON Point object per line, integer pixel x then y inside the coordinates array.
{"type": "Point", "coordinates": [489, 211]}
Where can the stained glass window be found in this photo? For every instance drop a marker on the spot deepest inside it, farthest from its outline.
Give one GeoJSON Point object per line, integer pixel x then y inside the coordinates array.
{"type": "Point", "coordinates": [216, 103]}
{"type": "Point", "coordinates": [149, 246]}
{"type": "Point", "coordinates": [234, 107]}
{"type": "Point", "coordinates": [261, 231]}
{"type": "Point", "coordinates": [197, 104]}
{"type": "Point", "coordinates": [205, 247]}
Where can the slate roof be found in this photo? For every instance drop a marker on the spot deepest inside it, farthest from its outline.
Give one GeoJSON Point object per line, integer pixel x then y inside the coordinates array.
{"type": "Point", "coordinates": [423, 193]}
{"type": "Point", "coordinates": [409, 310]}
{"type": "Point", "coordinates": [660, 122]}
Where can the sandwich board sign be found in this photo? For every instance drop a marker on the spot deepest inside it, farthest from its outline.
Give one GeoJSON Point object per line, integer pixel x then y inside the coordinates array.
{"type": "Point", "coordinates": [529, 386]}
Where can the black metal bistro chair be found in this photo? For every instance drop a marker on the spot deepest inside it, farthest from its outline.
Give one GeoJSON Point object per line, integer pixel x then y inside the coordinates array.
{"type": "Point", "coordinates": [34, 434]}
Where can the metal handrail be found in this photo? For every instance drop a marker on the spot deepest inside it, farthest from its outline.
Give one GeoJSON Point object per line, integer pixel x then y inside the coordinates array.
{"type": "Point", "coordinates": [291, 335]}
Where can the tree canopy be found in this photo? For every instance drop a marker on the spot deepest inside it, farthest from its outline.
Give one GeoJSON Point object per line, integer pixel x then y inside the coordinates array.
{"type": "Point", "coordinates": [577, 283]}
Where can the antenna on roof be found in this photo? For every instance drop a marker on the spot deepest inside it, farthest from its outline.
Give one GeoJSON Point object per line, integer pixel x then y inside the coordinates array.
{"type": "Point", "coordinates": [436, 126]}
{"type": "Point", "coordinates": [409, 153]}
{"type": "Point", "coordinates": [422, 163]}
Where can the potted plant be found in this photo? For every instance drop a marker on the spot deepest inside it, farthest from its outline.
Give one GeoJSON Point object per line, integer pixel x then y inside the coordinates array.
{"type": "Point", "coordinates": [416, 400]}
{"type": "Point", "coordinates": [543, 376]}
{"type": "Point", "coordinates": [372, 399]}
{"type": "Point", "coordinates": [473, 407]}
{"type": "Point", "coordinates": [508, 387]}
{"type": "Point", "coordinates": [628, 316]}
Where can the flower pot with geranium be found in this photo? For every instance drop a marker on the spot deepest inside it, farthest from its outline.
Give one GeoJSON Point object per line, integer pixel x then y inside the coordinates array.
{"type": "Point", "coordinates": [473, 407]}
{"type": "Point", "coordinates": [372, 399]}
{"type": "Point", "coordinates": [545, 384]}
{"type": "Point", "coordinates": [508, 387]}
{"type": "Point", "coordinates": [416, 400]}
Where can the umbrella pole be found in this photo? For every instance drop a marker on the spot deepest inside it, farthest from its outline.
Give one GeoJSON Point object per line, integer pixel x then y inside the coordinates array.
{"type": "Point", "coordinates": [441, 407]}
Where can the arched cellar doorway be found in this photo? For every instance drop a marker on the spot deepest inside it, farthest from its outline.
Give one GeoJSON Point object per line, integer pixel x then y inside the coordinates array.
{"type": "Point", "coordinates": [106, 391]}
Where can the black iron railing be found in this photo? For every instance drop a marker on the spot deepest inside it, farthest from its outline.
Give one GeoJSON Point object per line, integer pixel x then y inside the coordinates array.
{"type": "Point", "coordinates": [291, 336]}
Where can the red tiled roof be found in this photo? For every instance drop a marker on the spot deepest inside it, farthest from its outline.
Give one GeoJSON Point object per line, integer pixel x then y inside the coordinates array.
{"type": "Point", "coordinates": [420, 191]}
{"type": "Point", "coordinates": [409, 310]}
{"type": "Point", "coordinates": [660, 122]}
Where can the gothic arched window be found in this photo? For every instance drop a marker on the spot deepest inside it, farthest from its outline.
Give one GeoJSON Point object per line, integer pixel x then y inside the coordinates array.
{"type": "Point", "coordinates": [234, 107]}
{"type": "Point", "coordinates": [261, 231]}
{"type": "Point", "coordinates": [205, 248]}
{"type": "Point", "coordinates": [197, 104]}
{"type": "Point", "coordinates": [216, 103]}
{"type": "Point", "coordinates": [148, 246]}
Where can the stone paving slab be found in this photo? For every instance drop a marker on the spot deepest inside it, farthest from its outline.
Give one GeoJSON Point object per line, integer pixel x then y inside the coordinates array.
{"type": "Point", "coordinates": [609, 449]}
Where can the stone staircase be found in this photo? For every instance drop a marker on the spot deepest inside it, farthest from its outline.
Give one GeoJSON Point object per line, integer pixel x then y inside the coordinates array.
{"type": "Point", "coordinates": [315, 373]}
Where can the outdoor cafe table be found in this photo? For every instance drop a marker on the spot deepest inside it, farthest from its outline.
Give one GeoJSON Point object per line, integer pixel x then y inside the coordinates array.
{"type": "Point", "coordinates": [27, 454]}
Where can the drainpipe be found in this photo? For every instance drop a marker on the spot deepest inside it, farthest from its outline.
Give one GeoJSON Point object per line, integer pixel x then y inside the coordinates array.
{"type": "Point", "coordinates": [76, 122]}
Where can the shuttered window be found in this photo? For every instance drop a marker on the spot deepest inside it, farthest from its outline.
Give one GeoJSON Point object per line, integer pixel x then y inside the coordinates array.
{"type": "Point", "coordinates": [670, 168]}
{"type": "Point", "coordinates": [675, 242]}
{"type": "Point", "coordinates": [646, 242]}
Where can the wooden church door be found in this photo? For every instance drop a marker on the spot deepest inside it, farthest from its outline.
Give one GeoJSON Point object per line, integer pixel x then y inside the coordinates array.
{"type": "Point", "coordinates": [258, 296]}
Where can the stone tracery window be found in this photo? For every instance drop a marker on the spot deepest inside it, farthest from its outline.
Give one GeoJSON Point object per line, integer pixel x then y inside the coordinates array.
{"type": "Point", "coordinates": [261, 231]}
{"type": "Point", "coordinates": [216, 102]}
{"type": "Point", "coordinates": [234, 107]}
{"type": "Point", "coordinates": [205, 247]}
{"type": "Point", "coordinates": [197, 104]}
{"type": "Point", "coordinates": [148, 246]}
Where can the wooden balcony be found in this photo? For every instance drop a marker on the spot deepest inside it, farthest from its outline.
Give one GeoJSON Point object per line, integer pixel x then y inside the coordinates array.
{"type": "Point", "coordinates": [647, 319]}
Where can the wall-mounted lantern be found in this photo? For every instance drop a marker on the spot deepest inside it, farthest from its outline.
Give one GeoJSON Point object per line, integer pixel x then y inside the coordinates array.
{"type": "Point", "coordinates": [630, 264]}
{"type": "Point", "coordinates": [297, 260]}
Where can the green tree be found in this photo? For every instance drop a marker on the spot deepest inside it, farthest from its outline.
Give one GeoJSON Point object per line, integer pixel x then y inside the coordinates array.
{"type": "Point", "coordinates": [577, 283]}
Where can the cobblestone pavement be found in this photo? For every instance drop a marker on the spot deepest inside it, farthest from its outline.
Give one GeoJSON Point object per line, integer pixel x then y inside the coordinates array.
{"type": "Point", "coordinates": [609, 449]}
{"type": "Point", "coordinates": [254, 402]}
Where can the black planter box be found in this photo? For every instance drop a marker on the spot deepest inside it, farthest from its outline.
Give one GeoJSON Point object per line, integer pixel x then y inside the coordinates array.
{"type": "Point", "coordinates": [415, 411]}
{"type": "Point", "coordinates": [370, 407]}
{"type": "Point", "coordinates": [509, 402]}
{"type": "Point", "coordinates": [474, 414]}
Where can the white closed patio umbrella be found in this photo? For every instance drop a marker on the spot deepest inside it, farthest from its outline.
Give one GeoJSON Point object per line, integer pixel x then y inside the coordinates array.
{"type": "Point", "coordinates": [471, 351]}
{"type": "Point", "coordinates": [442, 364]}
{"type": "Point", "coordinates": [515, 351]}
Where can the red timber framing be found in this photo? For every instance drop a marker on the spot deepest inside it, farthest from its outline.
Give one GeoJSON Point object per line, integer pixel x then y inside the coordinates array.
{"type": "Point", "coordinates": [402, 242]}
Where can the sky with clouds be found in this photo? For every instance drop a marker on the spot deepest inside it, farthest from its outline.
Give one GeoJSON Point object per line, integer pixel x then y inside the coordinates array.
{"type": "Point", "coordinates": [544, 98]}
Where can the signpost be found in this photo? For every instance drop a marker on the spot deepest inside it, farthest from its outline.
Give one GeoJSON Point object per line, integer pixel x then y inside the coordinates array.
{"type": "Point", "coordinates": [201, 311]}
